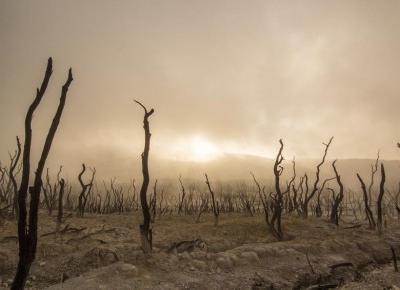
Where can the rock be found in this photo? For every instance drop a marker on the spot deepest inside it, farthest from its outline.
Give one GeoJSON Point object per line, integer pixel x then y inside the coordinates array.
{"type": "Point", "coordinates": [250, 257]}
{"type": "Point", "coordinates": [101, 256]}
{"type": "Point", "coordinates": [128, 267]}
{"type": "Point", "coordinates": [261, 251]}
{"type": "Point", "coordinates": [41, 264]}
{"type": "Point", "coordinates": [224, 262]}
{"type": "Point", "coordinates": [128, 270]}
{"type": "Point", "coordinates": [234, 258]}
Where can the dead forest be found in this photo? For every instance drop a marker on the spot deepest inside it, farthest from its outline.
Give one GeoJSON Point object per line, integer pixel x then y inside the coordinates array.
{"type": "Point", "coordinates": [38, 204]}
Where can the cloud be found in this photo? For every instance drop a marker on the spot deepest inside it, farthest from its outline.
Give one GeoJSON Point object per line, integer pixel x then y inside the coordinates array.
{"type": "Point", "coordinates": [241, 73]}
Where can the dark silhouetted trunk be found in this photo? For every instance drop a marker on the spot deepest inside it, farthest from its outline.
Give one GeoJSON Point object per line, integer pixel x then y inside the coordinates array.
{"type": "Point", "coordinates": [145, 231]}
{"type": "Point", "coordinates": [308, 198]}
{"type": "Point", "coordinates": [60, 201]}
{"type": "Point", "coordinates": [380, 198]}
{"type": "Point", "coordinates": [368, 211]}
{"type": "Point", "coordinates": [338, 199]}
{"type": "Point", "coordinates": [215, 205]}
{"type": "Point", "coordinates": [27, 229]}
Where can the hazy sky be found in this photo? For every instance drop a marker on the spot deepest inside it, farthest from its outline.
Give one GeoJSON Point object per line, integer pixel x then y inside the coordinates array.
{"type": "Point", "coordinates": [222, 76]}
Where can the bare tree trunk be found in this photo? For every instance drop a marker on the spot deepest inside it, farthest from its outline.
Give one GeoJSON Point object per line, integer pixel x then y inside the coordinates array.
{"type": "Point", "coordinates": [276, 224]}
{"type": "Point", "coordinates": [374, 169]}
{"type": "Point", "coordinates": [368, 212]}
{"type": "Point", "coordinates": [318, 209]}
{"type": "Point", "coordinates": [316, 182]}
{"type": "Point", "coordinates": [262, 198]}
{"type": "Point", "coordinates": [60, 202]}
{"type": "Point", "coordinates": [13, 165]}
{"type": "Point", "coordinates": [380, 197]}
{"type": "Point", "coordinates": [27, 230]}
{"type": "Point", "coordinates": [338, 199]}
{"type": "Point", "coordinates": [215, 205]}
{"type": "Point", "coordinates": [145, 231]}
{"type": "Point", "coordinates": [86, 190]}
{"type": "Point", "coordinates": [182, 199]}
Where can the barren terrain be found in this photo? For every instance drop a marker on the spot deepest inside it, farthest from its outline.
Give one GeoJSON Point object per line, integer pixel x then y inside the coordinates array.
{"type": "Point", "coordinates": [103, 252]}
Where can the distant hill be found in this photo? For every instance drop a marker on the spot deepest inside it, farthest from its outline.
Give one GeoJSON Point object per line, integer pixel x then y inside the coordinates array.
{"type": "Point", "coordinates": [228, 167]}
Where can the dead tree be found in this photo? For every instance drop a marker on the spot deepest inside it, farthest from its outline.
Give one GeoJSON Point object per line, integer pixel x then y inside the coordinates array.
{"type": "Point", "coordinates": [182, 198]}
{"type": "Point", "coordinates": [277, 198]}
{"type": "Point", "coordinates": [145, 230]}
{"type": "Point", "coordinates": [308, 198]}
{"type": "Point", "coordinates": [85, 191]}
{"type": "Point", "coordinates": [338, 198]}
{"type": "Point", "coordinates": [380, 197]}
{"type": "Point", "coordinates": [263, 199]}
{"type": "Point", "coordinates": [117, 194]}
{"type": "Point", "coordinates": [273, 206]}
{"type": "Point", "coordinates": [202, 207]}
{"type": "Point", "coordinates": [27, 228]}
{"type": "Point", "coordinates": [13, 164]}
{"type": "Point", "coordinates": [368, 211]}
{"type": "Point", "coordinates": [50, 192]}
{"type": "Point", "coordinates": [374, 170]}
{"type": "Point", "coordinates": [60, 213]}
{"type": "Point", "coordinates": [132, 199]}
{"type": "Point", "coordinates": [290, 199]}
{"type": "Point", "coordinates": [215, 205]}
{"type": "Point", "coordinates": [318, 208]}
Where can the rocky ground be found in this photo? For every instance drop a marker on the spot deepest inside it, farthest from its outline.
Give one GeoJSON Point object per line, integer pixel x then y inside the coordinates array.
{"type": "Point", "coordinates": [103, 252]}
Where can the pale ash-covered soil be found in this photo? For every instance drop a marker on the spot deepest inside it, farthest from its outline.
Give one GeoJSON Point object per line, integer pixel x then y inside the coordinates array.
{"type": "Point", "coordinates": [103, 252]}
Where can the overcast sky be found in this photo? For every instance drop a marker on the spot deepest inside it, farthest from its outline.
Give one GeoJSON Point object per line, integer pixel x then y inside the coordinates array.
{"type": "Point", "coordinates": [222, 76]}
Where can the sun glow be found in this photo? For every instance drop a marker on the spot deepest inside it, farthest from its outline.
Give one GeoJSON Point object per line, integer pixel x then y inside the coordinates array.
{"type": "Point", "coordinates": [195, 148]}
{"type": "Point", "coordinates": [200, 149]}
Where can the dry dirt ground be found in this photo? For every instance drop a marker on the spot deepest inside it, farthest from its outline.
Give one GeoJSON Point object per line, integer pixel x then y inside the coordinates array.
{"type": "Point", "coordinates": [103, 252]}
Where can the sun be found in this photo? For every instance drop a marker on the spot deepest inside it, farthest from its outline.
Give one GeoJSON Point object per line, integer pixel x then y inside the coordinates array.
{"type": "Point", "coordinates": [200, 149]}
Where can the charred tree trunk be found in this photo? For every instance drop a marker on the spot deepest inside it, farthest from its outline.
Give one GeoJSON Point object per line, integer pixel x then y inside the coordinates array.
{"type": "Point", "coordinates": [316, 182]}
{"type": "Point", "coordinates": [374, 170]}
{"type": "Point", "coordinates": [145, 231]}
{"type": "Point", "coordinates": [60, 201]}
{"type": "Point", "coordinates": [86, 190]}
{"type": "Point", "coordinates": [380, 198]}
{"type": "Point", "coordinates": [27, 228]}
{"type": "Point", "coordinates": [338, 199]}
{"type": "Point", "coordinates": [318, 208]}
{"type": "Point", "coordinates": [262, 198]}
{"type": "Point", "coordinates": [277, 206]}
{"type": "Point", "coordinates": [368, 211]}
{"type": "Point", "coordinates": [182, 199]}
{"type": "Point", "coordinates": [215, 205]}
{"type": "Point", "coordinates": [13, 165]}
